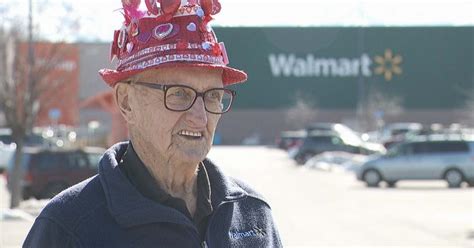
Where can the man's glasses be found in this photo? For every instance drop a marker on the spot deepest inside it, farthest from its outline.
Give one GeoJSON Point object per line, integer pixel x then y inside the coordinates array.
{"type": "Point", "coordinates": [181, 97]}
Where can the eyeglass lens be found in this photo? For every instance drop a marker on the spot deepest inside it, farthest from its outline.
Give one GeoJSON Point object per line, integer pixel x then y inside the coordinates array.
{"type": "Point", "coordinates": [181, 98]}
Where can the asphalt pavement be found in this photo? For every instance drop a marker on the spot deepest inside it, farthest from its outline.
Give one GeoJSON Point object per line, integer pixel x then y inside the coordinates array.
{"type": "Point", "coordinates": [322, 209]}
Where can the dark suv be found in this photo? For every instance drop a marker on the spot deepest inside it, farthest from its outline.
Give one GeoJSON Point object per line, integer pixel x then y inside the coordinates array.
{"type": "Point", "coordinates": [48, 172]}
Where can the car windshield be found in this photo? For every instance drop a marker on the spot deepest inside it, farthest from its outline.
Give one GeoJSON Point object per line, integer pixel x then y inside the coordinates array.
{"type": "Point", "coordinates": [396, 150]}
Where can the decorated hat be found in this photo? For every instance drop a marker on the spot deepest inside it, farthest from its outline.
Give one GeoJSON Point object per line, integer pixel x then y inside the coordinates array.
{"type": "Point", "coordinates": [169, 33]}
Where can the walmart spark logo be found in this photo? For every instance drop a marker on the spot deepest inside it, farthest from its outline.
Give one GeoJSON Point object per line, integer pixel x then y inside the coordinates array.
{"type": "Point", "coordinates": [388, 65]}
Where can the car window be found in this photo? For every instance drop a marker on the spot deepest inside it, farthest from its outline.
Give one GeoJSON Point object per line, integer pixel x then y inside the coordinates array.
{"type": "Point", "coordinates": [423, 148]}
{"type": "Point", "coordinates": [440, 147]}
{"type": "Point", "coordinates": [453, 146]}
{"type": "Point", "coordinates": [77, 160]}
{"type": "Point", "coordinates": [336, 141]}
{"type": "Point", "coordinates": [45, 161]}
{"type": "Point", "coordinates": [355, 149]}
{"type": "Point", "coordinates": [400, 150]}
{"type": "Point", "coordinates": [6, 139]}
{"type": "Point", "coordinates": [320, 139]}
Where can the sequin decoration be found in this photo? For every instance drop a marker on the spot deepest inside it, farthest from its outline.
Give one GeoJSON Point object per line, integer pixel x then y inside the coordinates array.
{"type": "Point", "coordinates": [191, 27]}
{"type": "Point", "coordinates": [129, 47]}
{"type": "Point", "coordinates": [200, 12]}
{"type": "Point", "coordinates": [162, 31]}
{"type": "Point", "coordinates": [122, 38]}
{"type": "Point", "coordinates": [134, 28]}
{"type": "Point", "coordinates": [206, 45]}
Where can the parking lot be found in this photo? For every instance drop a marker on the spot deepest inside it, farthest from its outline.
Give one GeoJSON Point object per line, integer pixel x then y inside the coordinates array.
{"type": "Point", "coordinates": [321, 209]}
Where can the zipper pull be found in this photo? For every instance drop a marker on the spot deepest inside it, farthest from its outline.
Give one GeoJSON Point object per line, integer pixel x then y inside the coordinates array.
{"type": "Point", "coordinates": [204, 244]}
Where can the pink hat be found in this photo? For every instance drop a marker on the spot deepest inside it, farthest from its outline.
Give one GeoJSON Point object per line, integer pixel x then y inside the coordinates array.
{"type": "Point", "coordinates": [174, 34]}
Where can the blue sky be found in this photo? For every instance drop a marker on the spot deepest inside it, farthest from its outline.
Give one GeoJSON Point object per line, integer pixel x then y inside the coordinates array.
{"type": "Point", "coordinates": [94, 20]}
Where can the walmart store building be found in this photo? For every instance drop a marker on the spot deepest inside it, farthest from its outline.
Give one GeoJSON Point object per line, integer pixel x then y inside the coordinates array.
{"type": "Point", "coordinates": [334, 70]}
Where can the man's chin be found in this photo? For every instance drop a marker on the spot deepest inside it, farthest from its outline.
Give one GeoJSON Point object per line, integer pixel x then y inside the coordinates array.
{"type": "Point", "coordinates": [193, 155]}
{"type": "Point", "coordinates": [194, 151]}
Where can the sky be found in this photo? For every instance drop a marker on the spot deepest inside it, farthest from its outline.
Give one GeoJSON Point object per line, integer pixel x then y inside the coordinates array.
{"type": "Point", "coordinates": [95, 20]}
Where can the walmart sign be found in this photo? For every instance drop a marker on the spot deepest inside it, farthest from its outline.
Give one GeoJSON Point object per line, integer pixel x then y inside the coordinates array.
{"type": "Point", "coordinates": [428, 67]}
{"type": "Point", "coordinates": [288, 65]}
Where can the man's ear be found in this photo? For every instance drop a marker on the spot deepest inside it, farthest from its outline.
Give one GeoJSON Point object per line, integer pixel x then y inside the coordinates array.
{"type": "Point", "coordinates": [122, 92]}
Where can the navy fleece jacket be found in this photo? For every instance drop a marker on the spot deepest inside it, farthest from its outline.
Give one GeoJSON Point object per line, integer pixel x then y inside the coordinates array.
{"type": "Point", "coordinates": [107, 211]}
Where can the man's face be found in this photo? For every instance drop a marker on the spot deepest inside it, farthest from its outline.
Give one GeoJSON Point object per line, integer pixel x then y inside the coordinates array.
{"type": "Point", "coordinates": [172, 134]}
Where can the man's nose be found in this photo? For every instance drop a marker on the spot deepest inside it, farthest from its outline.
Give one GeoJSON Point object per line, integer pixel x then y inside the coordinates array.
{"type": "Point", "coordinates": [197, 115]}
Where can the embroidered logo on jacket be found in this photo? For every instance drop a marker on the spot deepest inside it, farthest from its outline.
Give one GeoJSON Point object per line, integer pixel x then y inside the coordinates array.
{"type": "Point", "coordinates": [254, 232]}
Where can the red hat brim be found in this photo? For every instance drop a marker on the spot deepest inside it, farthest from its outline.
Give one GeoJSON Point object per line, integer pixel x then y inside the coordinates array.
{"type": "Point", "coordinates": [229, 74]}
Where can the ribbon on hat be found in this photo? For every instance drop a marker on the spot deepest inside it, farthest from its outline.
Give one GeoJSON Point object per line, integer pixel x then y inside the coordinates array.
{"type": "Point", "coordinates": [167, 8]}
{"type": "Point", "coordinates": [152, 7]}
{"type": "Point", "coordinates": [131, 10]}
{"type": "Point", "coordinates": [210, 7]}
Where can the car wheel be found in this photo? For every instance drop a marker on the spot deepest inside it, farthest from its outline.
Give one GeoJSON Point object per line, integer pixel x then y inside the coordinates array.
{"type": "Point", "coordinates": [454, 178]}
{"type": "Point", "coordinates": [26, 195]}
{"type": "Point", "coordinates": [391, 184]}
{"type": "Point", "coordinates": [372, 178]}
{"type": "Point", "coordinates": [301, 160]}
{"type": "Point", "coordinates": [308, 156]}
{"type": "Point", "coordinates": [53, 189]}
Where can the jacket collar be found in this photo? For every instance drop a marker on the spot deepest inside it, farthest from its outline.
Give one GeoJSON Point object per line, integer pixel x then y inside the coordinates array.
{"type": "Point", "coordinates": [130, 208]}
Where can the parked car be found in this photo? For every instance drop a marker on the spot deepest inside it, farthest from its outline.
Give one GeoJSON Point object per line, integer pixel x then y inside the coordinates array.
{"type": "Point", "coordinates": [289, 139]}
{"type": "Point", "coordinates": [6, 136]}
{"type": "Point", "coordinates": [6, 153]}
{"type": "Point", "coordinates": [49, 171]}
{"type": "Point", "coordinates": [33, 139]}
{"type": "Point", "coordinates": [317, 142]}
{"type": "Point", "coordinates": [338, 128]}
{"type": "Point", "coordinates": [393, 131]}
{"type": "Point", "coordinates": [437, 157]}
{"type": "Point", "coordinates": [337, 161]}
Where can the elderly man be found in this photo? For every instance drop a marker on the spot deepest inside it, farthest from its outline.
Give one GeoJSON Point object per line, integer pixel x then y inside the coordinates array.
{"type": "Point", "coordinates": [159, 190]}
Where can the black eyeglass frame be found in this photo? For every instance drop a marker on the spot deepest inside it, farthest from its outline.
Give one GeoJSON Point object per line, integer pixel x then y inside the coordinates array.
{"type": "Point", "coordinates": [165, 88]}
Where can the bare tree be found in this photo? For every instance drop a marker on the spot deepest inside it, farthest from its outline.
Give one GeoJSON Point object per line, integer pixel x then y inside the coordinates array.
{"type": "Point", "coordinates": [380, 106]}
{"type": "Point", "coordinates": [303, 112]}
{"type": "Point", "coordinates": [25, 81]}
{"type": "Point", "coordinates": [469, 109]}
{"type": "Point", "coordinates": [22, 83]}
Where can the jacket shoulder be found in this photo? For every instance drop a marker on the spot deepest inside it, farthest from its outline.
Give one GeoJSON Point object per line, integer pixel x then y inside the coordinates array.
{"type": "Point", "coordinates": [56, 225]}
{"type": "Point", "coordinates": [249, 190]}
{"type": "Point", "coordinates": [75, 203]}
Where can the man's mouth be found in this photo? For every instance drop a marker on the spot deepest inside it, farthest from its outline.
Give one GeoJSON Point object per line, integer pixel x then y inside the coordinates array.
{"type": "Point", "coordinates": [190, 134]}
